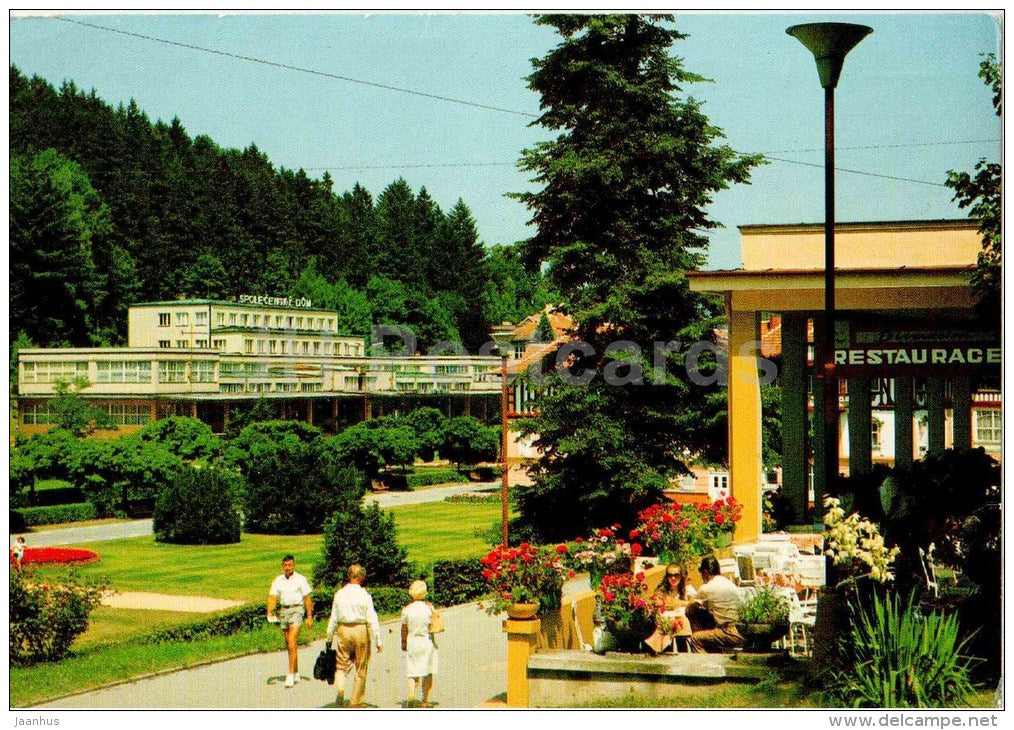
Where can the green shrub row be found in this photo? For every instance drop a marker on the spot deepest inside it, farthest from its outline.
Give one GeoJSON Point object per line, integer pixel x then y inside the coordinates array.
{"type": "Point", "coordinates": [58, 513]}
{"type": "Point", "coordinates": [57, 495]}
{"type": "Point", "coordinates": [250, 616]}
{"type": "Point", "coordinates": [457, 581]}
{"type": "Point", "coordinates": [472, 498]}
{"type": "Point", "coordinates": [433, 476]}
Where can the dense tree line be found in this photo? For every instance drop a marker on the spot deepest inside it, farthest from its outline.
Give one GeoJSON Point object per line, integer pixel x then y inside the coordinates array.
{"type": "Point", "coordinates": [108, 207]}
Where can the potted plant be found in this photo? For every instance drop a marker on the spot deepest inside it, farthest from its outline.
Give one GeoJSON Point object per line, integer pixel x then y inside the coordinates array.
{"type": "Point", "coordinates": [682, 533]}
{"type": "Point", "coordinates": [602, 553]}
{"type": "Point", "coordinates": [523, 579]}
{"type": "Point", "coordinates": [763, 618]}
{"type": "Point", "coordinates": [627, 608]}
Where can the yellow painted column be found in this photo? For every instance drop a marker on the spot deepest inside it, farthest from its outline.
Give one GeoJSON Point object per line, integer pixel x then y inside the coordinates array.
{"type": "Point", "coordinates": [522, 640]}
{"type": "Point", "coordinates": [745, 469]}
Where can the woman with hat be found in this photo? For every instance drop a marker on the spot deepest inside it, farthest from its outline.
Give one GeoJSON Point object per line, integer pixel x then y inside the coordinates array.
{"type": "Point", "coordinates": [417, 643]}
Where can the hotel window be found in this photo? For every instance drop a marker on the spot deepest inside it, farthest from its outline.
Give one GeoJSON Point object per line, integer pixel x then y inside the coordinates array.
{"type": "Point", "coordinates": [230, 370]}
{"type": "Point", "coordinates": [220, 318]}
{"type": "Point", "coordinates": [316, 348]}
{"type": "Point", "coordinates": [285, 347]}
{"type": "Point", "coordinates": [230, 387]}
{"type": "Point", "coordinates": [285, 387]}
{"type": "Point", "coordinates": [274, 346]}
{"type": "Point", "coordinates": [127, 414]}
{"type": "Point", "coordinates": [163, 319]}
{"type": "Point", "coordinates": [244, 320]}
{"type": "Point", "coordinates": [218, 344]}
{"type": "Point", "coordinates": [254, 369]}
{"type": "Point", "coordinates": [261, 346]}
{"type": "Point", "coordinates": [202, 344]}
{"type": "Point", "coordinates": [257, 320]}
{"type": "Point", "coordinates": [200, 319]}
{"type": "Point", "coordinates": [988, 427]}
{"type": "Point", "coordinates": [248, 346]}
{"type": "Point", "coordinates": [164, 344]}
{"type": "Point", "coordinates": [182, 319]}
{"type": "Point", "coordinates": [327, 348]}
{"type": "Point", "coordinates": [311, 387]}
{"type": "Point", "coordinates": [306, 347]}
{"type": "Point", "coordinates": [299, 323]}
{"type": "Point", "coordinates": [330, 324]}
{"type": "Point", "coordinates": [288, 322]}
{"type": "Point", "coordinates": [38, 414]}
{"type": "Point", "coordinates": [50, 372]}
{"type": "Point", "coordinates": [278, 320]}
{"type": "Point", "coordinates": [232, 318]}
{"type": "Point", "coordinates": [320, 323]}
{"type": "Point", "coordinates": [172, 371]}
{"type": "Point", "coordinates": [126, 371]}
{"type": "Point", "coordinates": [202, 371]}
{"type": "Point", "coordinates": [720, 482]}
{"type": "Point", "coordinates": [182, 343]}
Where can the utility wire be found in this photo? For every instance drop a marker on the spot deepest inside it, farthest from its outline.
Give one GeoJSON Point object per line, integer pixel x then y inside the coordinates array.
{"type": "Point", "coordinates": [289, 67]}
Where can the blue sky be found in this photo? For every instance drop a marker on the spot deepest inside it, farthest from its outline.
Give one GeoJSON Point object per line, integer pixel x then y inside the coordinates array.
{"type": "Point", "coordinates": [909, 95]}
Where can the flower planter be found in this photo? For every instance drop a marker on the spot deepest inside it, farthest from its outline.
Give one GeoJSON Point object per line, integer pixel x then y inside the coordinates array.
{"type": "Point", "coordinates": [522, 611]}
{"type": "Point", "coordinates": [760, 637]}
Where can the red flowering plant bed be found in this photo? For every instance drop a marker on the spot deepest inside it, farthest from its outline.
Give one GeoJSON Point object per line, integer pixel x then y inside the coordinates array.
{"type": "Point", "coordinates": [524, 574]}
{"type": "Point", "coordinates": [64, 556]}
{"type": "Point", "coordinates": [602, 553]}
{"type": "Point", "coordinates": [681, 533]}
{"type": "Point", "coordinates": [628, 608]}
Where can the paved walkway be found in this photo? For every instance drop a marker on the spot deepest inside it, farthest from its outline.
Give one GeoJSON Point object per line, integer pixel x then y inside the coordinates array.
{"type": "Point", "coordinates": [473, 660]}
{"type": "Point", "coordinates": [143, 528]}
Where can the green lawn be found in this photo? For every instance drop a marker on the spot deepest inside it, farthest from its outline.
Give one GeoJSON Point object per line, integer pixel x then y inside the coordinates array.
{"type": "Point", "coordinates": [243, 571]}
{"type": "Point", "coordinates": [104, 654]}
{"type": "Point", "coordinates": [444, 530]}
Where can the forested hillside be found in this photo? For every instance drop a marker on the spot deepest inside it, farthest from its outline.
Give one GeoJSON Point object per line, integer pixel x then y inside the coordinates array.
{"type": "Point", "coordinates": [109, 208]}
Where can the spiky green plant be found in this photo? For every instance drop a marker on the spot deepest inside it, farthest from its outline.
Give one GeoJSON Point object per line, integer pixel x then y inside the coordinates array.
{"type": "Point", "coordinates": [897, 657]}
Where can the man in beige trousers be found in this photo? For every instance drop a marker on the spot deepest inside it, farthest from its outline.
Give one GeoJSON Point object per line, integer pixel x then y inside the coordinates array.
{"type": "Point", "coordinates": [354, 623]}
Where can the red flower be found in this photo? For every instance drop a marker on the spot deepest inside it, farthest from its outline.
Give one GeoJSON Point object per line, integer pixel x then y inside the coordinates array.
{"type": "Point", "coordinates": [640, 575]}
{"type": "Point", "coordinates": [634, 534]}
{"type": "Point", "coordinates": [579, 540]}
{"type": "Point", "coordinates": [636, 549]}
{"type": "Point", "coordinates": [719, 518]}
{"type": "Point", "coordinates": [561, 549]}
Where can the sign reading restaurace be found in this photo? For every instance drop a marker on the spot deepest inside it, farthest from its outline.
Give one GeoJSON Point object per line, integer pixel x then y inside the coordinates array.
{"type": "Point", "coordinates": [275, 301]}
{"type": "Point", "coordinates": [865, 349]}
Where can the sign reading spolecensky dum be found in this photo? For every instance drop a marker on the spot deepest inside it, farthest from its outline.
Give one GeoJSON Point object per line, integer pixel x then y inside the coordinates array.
{"type": "Point", "coordinates": [275, 301]}
{"type": "Point", "coordinates": [866, 350]}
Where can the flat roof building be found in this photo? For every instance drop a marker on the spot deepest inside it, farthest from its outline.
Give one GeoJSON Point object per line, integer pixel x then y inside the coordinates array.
{"type": "Point", "coordinates": [199, 358]}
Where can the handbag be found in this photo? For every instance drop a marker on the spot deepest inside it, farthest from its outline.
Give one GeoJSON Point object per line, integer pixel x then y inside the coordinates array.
{"type": "Point", "coordinates": [436, 622]}
{"type": "Point", "coordinates": [324, 667]}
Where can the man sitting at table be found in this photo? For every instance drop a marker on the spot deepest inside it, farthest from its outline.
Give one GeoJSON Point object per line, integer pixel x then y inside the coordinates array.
{"type": "Point", "coordinates": [721, 598]}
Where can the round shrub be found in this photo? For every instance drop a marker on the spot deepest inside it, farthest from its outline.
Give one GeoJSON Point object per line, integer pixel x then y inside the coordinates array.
{"type": "Point", "coordinates": [363, 535]}
{"type": "Point", "coordinates": [197, 509]}
{"type": "Point", "coordinates": [45, 617]}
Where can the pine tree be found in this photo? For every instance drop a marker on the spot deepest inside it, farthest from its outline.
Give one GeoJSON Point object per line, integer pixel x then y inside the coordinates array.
{"type": "Point", "coordinates": [621, 216]}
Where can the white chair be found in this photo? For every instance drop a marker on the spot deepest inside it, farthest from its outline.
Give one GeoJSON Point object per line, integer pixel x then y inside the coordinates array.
{"type": "Point", "coordinates": [729, 567]}
{"type": "Point", "coordinates": [802, 619]}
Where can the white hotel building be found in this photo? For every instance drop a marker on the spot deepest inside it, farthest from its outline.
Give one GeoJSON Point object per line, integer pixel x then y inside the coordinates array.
{"type": "Point", "coordinates": [201, 358]}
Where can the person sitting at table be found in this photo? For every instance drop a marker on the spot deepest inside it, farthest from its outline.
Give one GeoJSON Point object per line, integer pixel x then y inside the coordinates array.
{"type": "Point", "coordinates": [721, 598]}
{"type": "Point", "coordinates": [672, 598]}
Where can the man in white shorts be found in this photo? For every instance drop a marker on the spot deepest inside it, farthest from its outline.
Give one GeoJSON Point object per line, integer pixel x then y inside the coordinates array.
{"type": "Point", "coordinates": [290, 592]}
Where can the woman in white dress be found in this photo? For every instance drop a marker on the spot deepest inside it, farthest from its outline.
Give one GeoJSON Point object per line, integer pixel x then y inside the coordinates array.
{"type": "Point", "coordinates": [417, 643]}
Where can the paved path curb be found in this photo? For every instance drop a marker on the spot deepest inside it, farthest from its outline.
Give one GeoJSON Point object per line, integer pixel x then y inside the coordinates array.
{"type": "Point", "coordinates": [167, 602]}
{"type": "Point", "coordinates": [473, 660]}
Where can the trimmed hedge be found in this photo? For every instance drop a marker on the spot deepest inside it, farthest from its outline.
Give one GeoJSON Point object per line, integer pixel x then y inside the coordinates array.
{"type": "Point", "coordinates": [433, 476]}
{"type": "Point", "coordinates": [58, 495]}
{"type": "Point", "coordinates": [457, 581]}
{"type": "Point", "coordinates": [250, 617]}
{"type": "Point", "coordinates": [59, 513]}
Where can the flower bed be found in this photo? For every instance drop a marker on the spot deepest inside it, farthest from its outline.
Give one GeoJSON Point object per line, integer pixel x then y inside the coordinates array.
{"type": "Point", "coordinates": [65, 556]}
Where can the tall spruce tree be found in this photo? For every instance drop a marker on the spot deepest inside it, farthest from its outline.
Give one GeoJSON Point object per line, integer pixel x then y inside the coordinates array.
{"type": "Point", "coordinates": [621, 216]}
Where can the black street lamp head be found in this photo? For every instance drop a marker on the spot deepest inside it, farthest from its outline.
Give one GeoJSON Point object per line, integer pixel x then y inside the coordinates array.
{"type": "Point", "coordinates": [829, 43]}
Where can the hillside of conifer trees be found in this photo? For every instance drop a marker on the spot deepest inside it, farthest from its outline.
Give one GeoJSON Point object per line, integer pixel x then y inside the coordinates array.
{"type": "Point", "coordinates": [109, 208]}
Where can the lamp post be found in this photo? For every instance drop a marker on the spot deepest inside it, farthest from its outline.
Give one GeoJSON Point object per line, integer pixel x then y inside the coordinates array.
{"type": "Point", "coordinates": [503, 443]}
{"type": "Point", "coordinates": [829, 43]}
